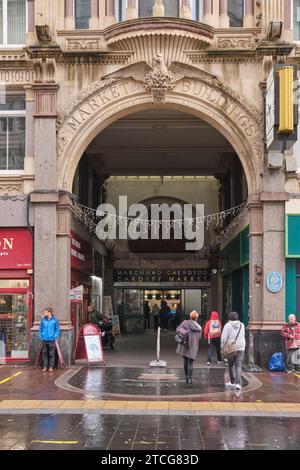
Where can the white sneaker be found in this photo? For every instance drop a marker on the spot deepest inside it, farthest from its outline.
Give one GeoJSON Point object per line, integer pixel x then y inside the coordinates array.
{"type": "Point", "coordinates": [208, 363]}
{"type": "Point", "coordinates": [229, 385]}
{"type": "Point", "coordinates": [238, 387]}
{"type": "Point", "coordinates": [220, 362]}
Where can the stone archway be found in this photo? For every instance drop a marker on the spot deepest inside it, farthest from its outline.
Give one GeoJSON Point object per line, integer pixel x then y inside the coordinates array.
{"type": "Point", "coordinates": [194, 92]}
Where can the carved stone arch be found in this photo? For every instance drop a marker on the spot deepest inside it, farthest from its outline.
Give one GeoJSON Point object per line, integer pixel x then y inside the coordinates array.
{"type": "Point", "coordinates": [203, 96]}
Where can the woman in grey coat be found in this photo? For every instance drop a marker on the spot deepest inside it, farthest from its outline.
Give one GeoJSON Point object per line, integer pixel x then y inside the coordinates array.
{"type": "Point", "coordinates": [234, 332]}
{"type": "Point", "coordinates": [189, 350]}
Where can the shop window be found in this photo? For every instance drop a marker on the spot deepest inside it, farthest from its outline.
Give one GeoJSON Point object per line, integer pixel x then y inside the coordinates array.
{"type": "Point", "coordinates": [236, 13]}
{"type": "Point", "coordinates": [13, 326]}
{"type": "Point", "coordinates": [12, 131]}
{"type": "Point", "coordinates": [296, 19]}
{"type": "Point", "coordinates": [12, 22]}
{"type": "Point", "coordinates": [82, 14]}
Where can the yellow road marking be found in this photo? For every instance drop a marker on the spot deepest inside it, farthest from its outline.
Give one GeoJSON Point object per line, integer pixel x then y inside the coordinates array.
{"type": "Point", "coordinates": [54, 442]}
{"type": "Point", "coordinates": [10, 378]}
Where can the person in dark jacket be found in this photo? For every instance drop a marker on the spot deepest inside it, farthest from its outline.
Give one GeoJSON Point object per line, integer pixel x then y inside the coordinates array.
{"type": "Point", "coordinates": [189, 350]}
{"type": "Point", "coordinates": [147, 311]}
{"type": "Point", "coordinates": [212, 333]}
{"type": "Point", "coordinates": [164, 315]}
{"type": "Point", "coordinates": [48, 333]}
{"type": "Point", "coordinates": [94, 316]}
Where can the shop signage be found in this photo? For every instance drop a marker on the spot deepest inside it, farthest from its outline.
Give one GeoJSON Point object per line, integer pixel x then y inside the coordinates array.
{"type": "Point", "coordinates": [15, 248]}
{"type": "Point", "coordinates": [81, 253]}
{"type": "Point", "coordinates": [89, 345]}
{"type": "Point", "coordinates": [76, 294]}
{"type": "Point", "coordinates": [274, 282]}
{"type": "Point", "coordinates": [173, 276]}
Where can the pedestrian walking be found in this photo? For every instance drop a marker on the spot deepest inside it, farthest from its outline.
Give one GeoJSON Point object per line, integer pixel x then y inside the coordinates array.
{"type": "Point", "coordinates": [164, 315]}
{"type": "Point", "coordinates": [191, 331]}
{"type": "Point", "coordinates": [147, 315]}
{"type": "Point", "coordinates": [155, 314]}
{"type": "Point", "coordinates": [212, 334]}
{"type": "Point", "coordinates": [291, 333]}
{"type": "Point", "coordinates": [233, 336]}
{"type": "Point", "coordinates": [48, 333]}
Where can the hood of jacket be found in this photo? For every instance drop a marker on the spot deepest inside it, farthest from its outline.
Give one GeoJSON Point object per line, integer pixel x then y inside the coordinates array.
{"type": "Point", "coordinates": [214, 316]}
{"type": "Point", "coordinates": [193, 326]}
{"type": "Point", "coordinates": [235, 324]}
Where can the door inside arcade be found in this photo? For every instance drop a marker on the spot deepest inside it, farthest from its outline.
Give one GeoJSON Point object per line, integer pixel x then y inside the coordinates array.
{"type": "Point", "coordinates": [130, 306]}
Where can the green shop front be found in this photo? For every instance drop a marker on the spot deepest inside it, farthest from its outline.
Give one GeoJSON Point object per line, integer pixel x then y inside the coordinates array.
{"type": "Point", "coordinates": [234, 266]}
{"type": "Point", "coordinates": [293, 265]}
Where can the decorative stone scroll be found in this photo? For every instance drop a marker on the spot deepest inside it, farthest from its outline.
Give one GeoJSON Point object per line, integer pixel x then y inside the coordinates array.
{"type": "Point", "coordinates": [12, 77]}
{"type": "Point", "coordinates": [234, 43]}
{"type": "Point", "coordinates": [95, 44]}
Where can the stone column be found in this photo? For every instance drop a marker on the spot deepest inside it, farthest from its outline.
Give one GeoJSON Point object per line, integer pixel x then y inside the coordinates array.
{"type": "Point", "coordinates": [224, 18]}
{"type": "Point", "coordinates": [110, 13]}
{"type": "Point", "coordinates": [207, 12]}
{"type": "Point", "coordinates": [94, 19]}
{"type": "Point", "coordinates": [158, 8]}
{"type": "Point", "coordinates": [186, 11]}
{"type": "Point", "coordinates": [288, 26]}
{"type": "Point", "coordinates": [29, 152]}
{"type": "Point", "coordinates": [255, 209]}
{"type": "Point", "coordinates": [31, 22]}
{"type": "Point", "coordinates": [44, 200]}
{"type": "Point", "coordinates": [272, 10]}
{"type": "Point", "coordinates": [132, 11]}
{"type": "Point", "coordinates": [63, 279]}
{"type": "Point", "coordinates": [249, 14]}
{"type": "Point", "coordinates": [69, 14]}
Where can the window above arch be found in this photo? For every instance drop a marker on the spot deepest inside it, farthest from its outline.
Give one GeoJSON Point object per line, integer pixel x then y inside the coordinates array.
{"type": "Point", "coordinates": [236, 13]}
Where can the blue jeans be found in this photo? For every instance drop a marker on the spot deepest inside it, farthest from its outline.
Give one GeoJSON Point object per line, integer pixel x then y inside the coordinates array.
{"type": "Point", "coordinates": [235, 368]}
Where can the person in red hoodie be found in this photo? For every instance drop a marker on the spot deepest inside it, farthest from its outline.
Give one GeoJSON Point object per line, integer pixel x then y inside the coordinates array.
{"type": "Point", "coordinates": [212, 333]}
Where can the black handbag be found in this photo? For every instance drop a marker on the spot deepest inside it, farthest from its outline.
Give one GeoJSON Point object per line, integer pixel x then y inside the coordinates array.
{"type": "Point", "coordinates": [182, 338]}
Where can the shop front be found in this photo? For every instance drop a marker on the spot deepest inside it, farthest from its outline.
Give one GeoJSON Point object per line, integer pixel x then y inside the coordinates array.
{"type": "Point", "coordinates": [16, 262]}
{"type": "Point", "coordinates": [234, 262]}
{"type": "Point", "coordinates": [183, 290]}
{"type": "Point", "coordinates": [86, 271]}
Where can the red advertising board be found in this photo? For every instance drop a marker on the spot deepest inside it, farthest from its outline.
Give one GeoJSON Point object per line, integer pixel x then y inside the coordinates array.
{"type": "Point", "coordinates": [15, 248]}
{"type": "Point", "coordinates": [81, 253]}
{"type": "Point", "coordinates": [89, 345]}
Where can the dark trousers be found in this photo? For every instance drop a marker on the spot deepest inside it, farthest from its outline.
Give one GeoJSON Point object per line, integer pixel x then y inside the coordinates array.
{"type": "Point", "coordinates": [147, 321]}
{"type": "Point", "coordinates": [156, 322]}
{"type": "Point", "coordinates": [188, 367]}
{"type": "Point", "coordinates": [214, 343]}
{"type": "Point", "coordinates": [48, 350]}
{"type": "Point", "coordinates": [289, 358]}
{"type": "Point", "coordinates": [235, 368]}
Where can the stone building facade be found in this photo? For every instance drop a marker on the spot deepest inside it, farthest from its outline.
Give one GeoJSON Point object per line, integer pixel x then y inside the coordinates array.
{"type": "Point", "coordinates": [77, 67]}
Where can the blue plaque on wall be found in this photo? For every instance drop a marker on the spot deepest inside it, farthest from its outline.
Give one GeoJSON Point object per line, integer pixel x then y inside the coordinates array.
{"type": "Point", "coordinates": [274, 282]}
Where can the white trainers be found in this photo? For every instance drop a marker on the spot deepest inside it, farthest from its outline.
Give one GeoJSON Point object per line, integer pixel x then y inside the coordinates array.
{"type": "Point", "coordinates": [208, 363]}
{"type": "Point", "coordinates": [230, 385]}
{"type": "Point", "coordinates": [238, 387]}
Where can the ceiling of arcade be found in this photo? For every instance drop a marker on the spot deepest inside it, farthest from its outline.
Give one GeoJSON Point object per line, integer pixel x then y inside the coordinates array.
{"type": "Point", "coordinates": [160, 142]}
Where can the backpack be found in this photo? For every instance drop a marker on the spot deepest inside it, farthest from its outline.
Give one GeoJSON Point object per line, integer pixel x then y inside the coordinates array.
{"type": "Point", "coordinates": [214, 329]}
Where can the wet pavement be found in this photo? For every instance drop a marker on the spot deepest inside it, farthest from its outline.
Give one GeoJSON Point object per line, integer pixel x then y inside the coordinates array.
{"type": "Point", "coordinates": [106, 432]}
{"type": "Point", "coordinates": [149, 382]}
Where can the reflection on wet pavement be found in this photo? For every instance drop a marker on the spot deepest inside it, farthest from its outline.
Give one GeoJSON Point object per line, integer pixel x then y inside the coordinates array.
{"type": "Point", "coordinates": [148, 382]}
{"type": "Point", "coordinates": [107, 432]}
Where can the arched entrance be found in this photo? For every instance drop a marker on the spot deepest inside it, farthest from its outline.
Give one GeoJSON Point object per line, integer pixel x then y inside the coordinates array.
{"type": "Point", "coordinates": [205, 97]}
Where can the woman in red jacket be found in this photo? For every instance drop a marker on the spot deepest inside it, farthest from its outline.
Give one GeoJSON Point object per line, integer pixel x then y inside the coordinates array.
{"type": "Point", "coordinates": [212, 333]}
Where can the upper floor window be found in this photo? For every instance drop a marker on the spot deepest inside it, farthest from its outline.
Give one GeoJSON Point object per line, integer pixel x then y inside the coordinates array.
{"type": "Point", "coordinates": [82, 14]}
{"type": "Point", "coordinates": [172, 8]}
{"type": "Point", "coordinates": [12, 22]}
{"type": "Point", "coordinates": [236, 13]}
{"type": "Point", "coordinates": [12, 131]}
{"type": "Point", "coordinates": [296, 18]}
